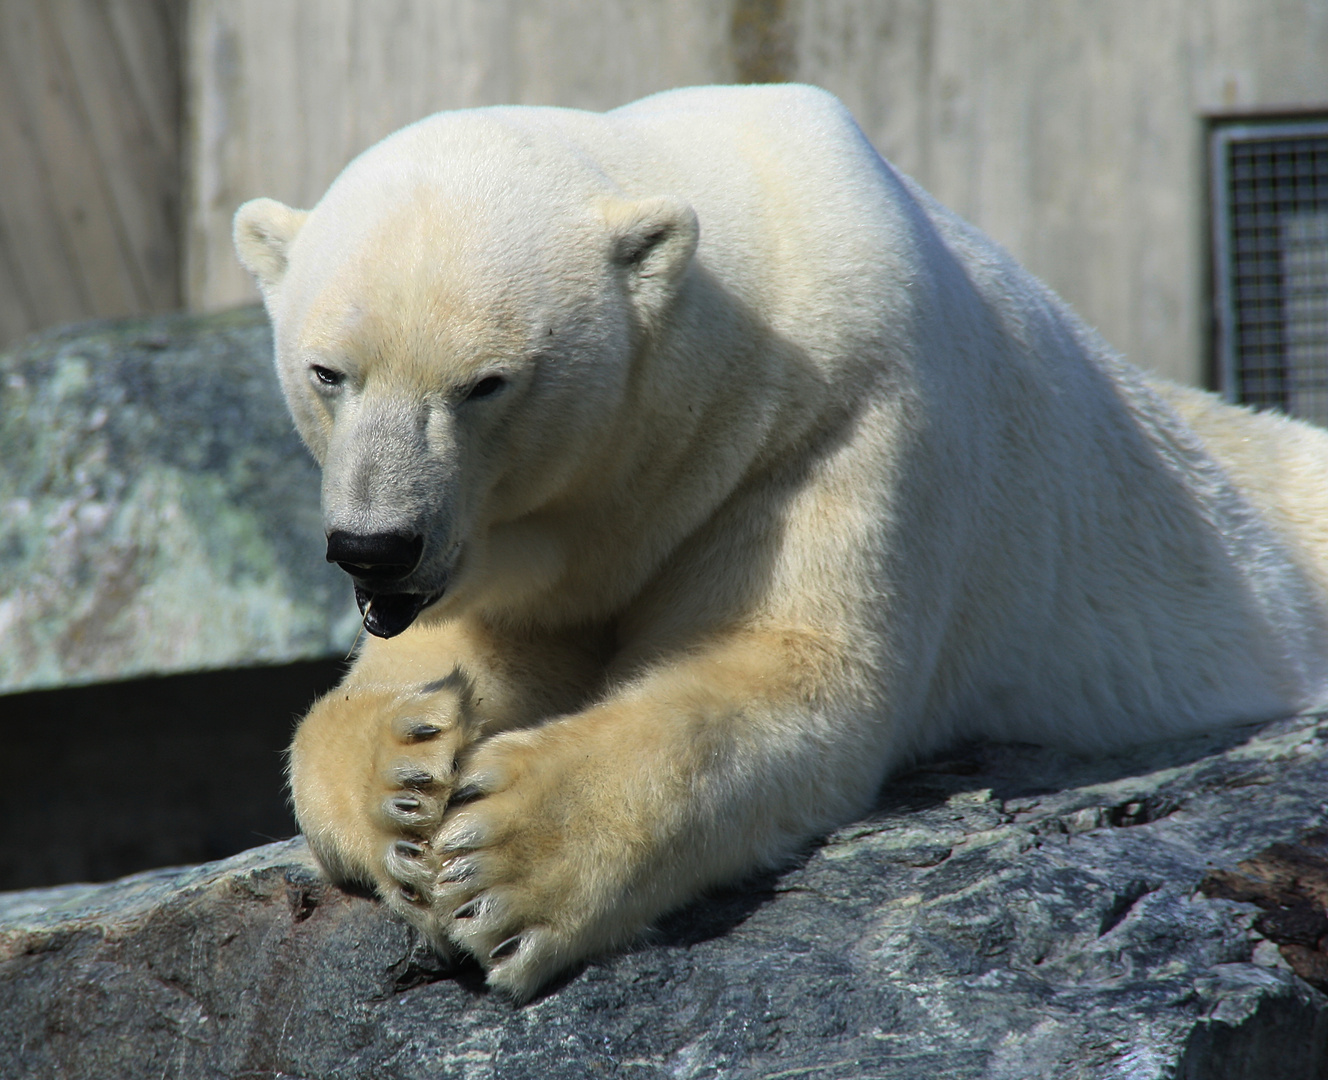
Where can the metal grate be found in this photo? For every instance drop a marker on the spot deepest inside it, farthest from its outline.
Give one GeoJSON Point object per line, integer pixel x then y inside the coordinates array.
{"type": "Point", "coordinates": [1270, 203]}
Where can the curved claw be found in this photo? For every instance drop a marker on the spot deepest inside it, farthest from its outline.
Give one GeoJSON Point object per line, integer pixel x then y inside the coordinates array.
{"type": "Point", "coordinates": [506, 948]}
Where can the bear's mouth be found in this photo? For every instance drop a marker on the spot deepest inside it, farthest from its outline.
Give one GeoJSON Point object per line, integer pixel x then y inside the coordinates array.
{"type": "Point", "coordinates": [388, 614]}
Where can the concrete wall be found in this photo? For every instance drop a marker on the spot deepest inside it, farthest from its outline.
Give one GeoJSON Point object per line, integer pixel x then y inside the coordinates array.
{"type": "Point", "coordinates": [284, 94]}
{"type": "Point", "coordinates": [1071, 130]}
{"type": "Point", "coordinates": [89, 160]}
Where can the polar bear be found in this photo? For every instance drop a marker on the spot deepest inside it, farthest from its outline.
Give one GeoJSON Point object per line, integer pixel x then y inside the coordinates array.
{"type": "Point", "coordinates": [694, 470]}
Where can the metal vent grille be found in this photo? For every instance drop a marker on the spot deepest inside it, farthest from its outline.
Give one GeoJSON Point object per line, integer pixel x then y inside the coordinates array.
{"type": "Point", "coordinates": [1270, 199]}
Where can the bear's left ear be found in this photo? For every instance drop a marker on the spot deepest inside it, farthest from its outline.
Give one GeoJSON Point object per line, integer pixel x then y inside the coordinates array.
{"type": "Point", "coordinates": [653, 240]}
{"type": "Point", "coordinates": [263, 233]}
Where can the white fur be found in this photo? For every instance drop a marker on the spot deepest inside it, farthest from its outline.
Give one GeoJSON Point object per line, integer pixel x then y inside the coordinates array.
{"type": "Point", "coordinates": [796, 476]}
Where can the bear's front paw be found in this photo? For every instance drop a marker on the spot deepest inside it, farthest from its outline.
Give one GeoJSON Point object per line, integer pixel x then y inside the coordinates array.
{"type": "Point", "coordinates": [372, 769]}
{"type": "Point", "coordinates": [528, 872]}
{"type": "Point", "coordinates": [420, 739]}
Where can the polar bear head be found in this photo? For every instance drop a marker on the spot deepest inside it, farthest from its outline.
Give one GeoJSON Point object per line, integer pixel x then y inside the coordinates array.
{"type": "Point", "coordinates": [456, 327]}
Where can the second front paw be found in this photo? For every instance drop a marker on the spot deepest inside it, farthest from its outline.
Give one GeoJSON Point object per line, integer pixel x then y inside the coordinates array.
{"type": "Point", "coordinates": [529, 870]}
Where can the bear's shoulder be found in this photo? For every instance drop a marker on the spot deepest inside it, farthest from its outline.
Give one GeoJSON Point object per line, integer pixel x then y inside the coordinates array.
{"type": "Point", "coordinates": [790, 101]}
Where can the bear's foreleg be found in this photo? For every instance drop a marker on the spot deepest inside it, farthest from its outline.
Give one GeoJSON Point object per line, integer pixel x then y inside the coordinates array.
{"type": "Point", "coordinates": [571, 838]}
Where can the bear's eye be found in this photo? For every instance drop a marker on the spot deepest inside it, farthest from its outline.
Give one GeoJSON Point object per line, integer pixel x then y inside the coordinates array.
{"type": "Point", "coordinates": [327, 376]}
{"type": "Point", "coordinates": [486, 387]}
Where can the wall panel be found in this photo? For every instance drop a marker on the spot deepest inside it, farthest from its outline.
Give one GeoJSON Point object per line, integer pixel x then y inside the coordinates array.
{"type": "Point", "coordinates": [89, 160]}
{"type": "Point", "coordinates": [284, 94]}
{"type": "Point", "coordinates": [1071, 130]}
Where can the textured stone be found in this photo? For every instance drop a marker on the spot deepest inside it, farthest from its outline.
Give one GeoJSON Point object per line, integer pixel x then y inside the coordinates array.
{"type": "Point", "coordinates": [1290, 883]}
{"type": "Point", "coordinates": [157, 511]}
{"type": "Point", "coordinates": [1009, 913]}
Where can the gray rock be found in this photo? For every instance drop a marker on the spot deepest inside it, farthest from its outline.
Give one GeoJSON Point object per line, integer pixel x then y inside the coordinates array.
{"type": "Point", "coordinates": [1009, 913]}
{"type": "Point", "coordinates": [157, 511]}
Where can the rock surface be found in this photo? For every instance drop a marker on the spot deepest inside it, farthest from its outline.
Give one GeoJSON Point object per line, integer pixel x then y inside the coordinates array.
{"type": "Point", "coordinates": [157, 510]}
{"type": "Point", "coordinates": [1008, 913]}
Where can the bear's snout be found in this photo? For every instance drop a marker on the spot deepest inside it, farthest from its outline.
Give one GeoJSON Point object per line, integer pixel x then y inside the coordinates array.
{"type": "Point", "coordinates": [375, 557]}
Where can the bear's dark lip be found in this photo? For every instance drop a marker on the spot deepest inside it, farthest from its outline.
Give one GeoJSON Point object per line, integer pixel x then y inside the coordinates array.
{"type": "Point", "coordinates": [388, 614]}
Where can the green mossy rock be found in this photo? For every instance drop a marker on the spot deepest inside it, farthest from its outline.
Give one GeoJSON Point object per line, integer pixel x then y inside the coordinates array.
{"type": "Point", "coordinates": [157, 510]}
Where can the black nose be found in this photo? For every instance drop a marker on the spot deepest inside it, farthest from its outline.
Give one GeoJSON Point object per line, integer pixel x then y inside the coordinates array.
{"type": "Point", "coordinates": [377, 556]}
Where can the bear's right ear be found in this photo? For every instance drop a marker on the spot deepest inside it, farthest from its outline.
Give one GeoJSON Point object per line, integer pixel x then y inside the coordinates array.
{"type": "Point", "coordinates": [263, 233]}
{"type": "Point", "coordinates": [653, 240]}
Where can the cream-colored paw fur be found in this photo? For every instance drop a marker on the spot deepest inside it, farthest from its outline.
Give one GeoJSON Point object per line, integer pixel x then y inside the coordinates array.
{"type": "Point", "coordinates": [695, 470]}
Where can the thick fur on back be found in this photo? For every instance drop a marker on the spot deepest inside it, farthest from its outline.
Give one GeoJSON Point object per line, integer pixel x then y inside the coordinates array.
{"type": "Point", "coordinates": [780, 475]}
